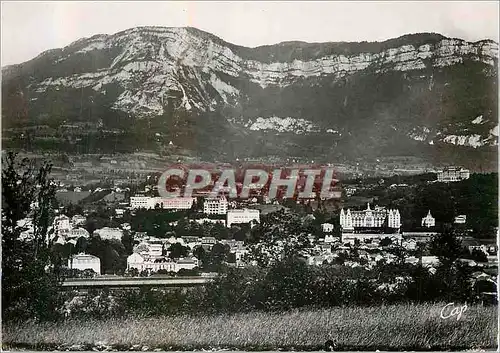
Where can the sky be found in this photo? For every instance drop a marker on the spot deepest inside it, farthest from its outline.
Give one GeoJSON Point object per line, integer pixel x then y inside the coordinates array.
{"type": "Point", "coordinates": [29, 28]}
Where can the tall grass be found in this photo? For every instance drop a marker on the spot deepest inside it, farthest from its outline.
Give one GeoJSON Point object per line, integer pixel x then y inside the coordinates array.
{"type": "Point", "coordinates": [396, 327]}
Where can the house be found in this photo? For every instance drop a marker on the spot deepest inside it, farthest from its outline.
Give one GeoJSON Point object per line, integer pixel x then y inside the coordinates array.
{"type": "Point", "coordinates": [155, 248]}
{"type": "Point", "coordinates": [78, 219]}
{"type": "Point", "coordinates": [349, 191]}
{"type": "Point", "coordinates": [330, 239]}
{"type": "Point", "coordinates": [145, 263]}
{"type": "Point", "coordinates": [488, 246]}
{"type": "Point", "coordinates": [324, 248]}
{"type": "Point", "coordinates": [315, 260]}
{"type": "Point", "coordinates": [419, 237]}
{"type": "Point", "coordinates": [84, 262]}
{"type": "Point", "coordinates": [460, 219]}
{"type": "Point", "coordinates": [191, 239]}
{"type": "Point", "coordinates": [327, 227]}
{"type": "Point", "coordinates": [78, 233]}
{"type": "Point", "coordinates": [410, 244]}
{"type": "Point", "coordinates": [242, 216]}
{"type": "Point", "coordinates": [209, 220]}
{"type": "Point", "coordinates": [27, 228]}
{"type": "Point", "coordinates": [137, 202]}
{"type": "Point", "coordinates": [469, 262]}
{"type": "Point", "coordinates": [363, 238]}
{"type": "Point", "coordinates": [187, 263]}
{"type": "Point", "coordinates": [173, 240]}
{"type": "Point", "coordinates": [428, 261]}
{"type": "Point", "coordinates": [173, 203]}
{"type": "Point", "coordinates": [62, 224]}
{"type": "Point", "coordinates": [233, 244]}
{"type": "Point", "coordinates": [208, 241]}
{"type": "Point", "coordinates": [59, 240]}
{"type": "Point", "coordinates": [107, 233]}
{"type": "Point", "coordinates": [240, 256]}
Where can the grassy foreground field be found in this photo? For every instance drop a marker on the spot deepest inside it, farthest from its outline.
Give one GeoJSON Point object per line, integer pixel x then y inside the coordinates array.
{"type": "Point", "coordinates": [397, 327]}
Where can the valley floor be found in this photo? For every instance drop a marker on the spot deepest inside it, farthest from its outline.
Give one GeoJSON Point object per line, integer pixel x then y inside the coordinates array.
{"type": "Point", "coordinates": [395, 327]}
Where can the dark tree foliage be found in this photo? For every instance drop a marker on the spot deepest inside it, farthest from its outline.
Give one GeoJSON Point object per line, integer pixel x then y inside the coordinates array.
{"type": "Point", "coordinates": [385, 242]}
{"type": "Point", "coordinates": [478, 255]}
{"type": "Point", "coordinates": [30, 274]}
{"type": "Point", "coordinates": [446, 247]}
{"type": "Point", "coordinates": [112, 253]}
{"type": "Point", "coordinates": [217, 256]}
{"type": "Point", "coordinates": [177, 251]}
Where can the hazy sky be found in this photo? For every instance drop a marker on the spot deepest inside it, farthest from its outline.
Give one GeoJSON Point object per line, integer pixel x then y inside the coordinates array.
{"type": "Point", "coordinates": [28, 28]}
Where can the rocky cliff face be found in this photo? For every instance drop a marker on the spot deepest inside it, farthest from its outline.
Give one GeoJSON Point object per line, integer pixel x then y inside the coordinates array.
{"type": "Point", "coordinates": [156, 85]}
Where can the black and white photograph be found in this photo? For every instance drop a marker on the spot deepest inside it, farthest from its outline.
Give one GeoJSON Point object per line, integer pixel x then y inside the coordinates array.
{"type": "Point", "coordinates": [249, 176]}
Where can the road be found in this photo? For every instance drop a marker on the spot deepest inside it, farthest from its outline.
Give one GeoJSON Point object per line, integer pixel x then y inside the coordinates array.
{"type": "Point", "coordinates": [136, 282]}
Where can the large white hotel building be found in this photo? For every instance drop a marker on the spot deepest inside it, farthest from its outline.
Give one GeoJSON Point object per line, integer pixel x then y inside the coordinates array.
{"type": "Point", "coordinates": [169, 203]}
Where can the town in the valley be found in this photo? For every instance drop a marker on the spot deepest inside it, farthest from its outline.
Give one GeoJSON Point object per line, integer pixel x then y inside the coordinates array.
{"type": "Point", "coordinates": [104, 231]}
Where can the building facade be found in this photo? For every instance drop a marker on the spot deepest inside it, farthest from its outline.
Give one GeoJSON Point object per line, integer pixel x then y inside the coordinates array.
{"type": "Point", "coordinates": [84, 262]}
{"type": "Point", "coordinates": [368, 226]}
{"type": "Point", "coordinates": [169, 203]}
{"type": "Point", "coordinates": [174, 203]}
{"type": "Point", "coordinates": [462, 219]}
{"type": "Point", "coordinates": [62, 224]}
{"type": "Point", "coordinates": [137, 202]}
{"type": "Point", "coordinates": [77, 220]}
{"type": "Point", "coordinates": [78, 233]}
{"type": "Point", "coordinates": [144, 263]}
{"type": "Point", "coordinates": [242, 216]}
{"type": "Point", "coordinates": [327, 227]}
{"type": "Point", "coordinates": [107, 233]}
{"type": "Point", "coordinates": [452, 174]}
{"type": "Point", "coordinates": [215, 206]}
{"type": "Point", "coordinates": [368, 218]}
{"type": "Point", "coordinates": [428, 221]}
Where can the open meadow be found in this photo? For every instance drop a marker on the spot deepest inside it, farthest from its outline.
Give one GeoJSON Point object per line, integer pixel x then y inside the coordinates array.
{"type": "Point", "coordinates": [395, 327]}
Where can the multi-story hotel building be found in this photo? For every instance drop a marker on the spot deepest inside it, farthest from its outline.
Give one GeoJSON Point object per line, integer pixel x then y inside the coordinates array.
{"type": "Point", "coordinates": [377, 218]}
{"type": "Point", "coordinates": [451, 174]}
{"type": "Point", "coordinates": [368, 224]}
{"type": "Point", "coordinates": [215, 206]}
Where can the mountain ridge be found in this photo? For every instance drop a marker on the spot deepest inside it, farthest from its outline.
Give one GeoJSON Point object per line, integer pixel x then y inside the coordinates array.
{"type": "Point", "coordinates": [291, 42]}
{"type": "Point", "coordinates": [418, 92]}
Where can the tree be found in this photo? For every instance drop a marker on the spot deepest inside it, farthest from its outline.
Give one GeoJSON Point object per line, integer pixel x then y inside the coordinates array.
{"type": "Point", "coordinates": [128, 242]}
{"type": "Point", "coordinates": [30, 274]}
{"type": "Point", "coordinates": [385, 242]}
{"type": "Point", "coordinates": [446, 247]}
{"type": "Point", "coordinates": [200, 253]}
{"type": "Point", "coordinates": [478, 255]}
{"type": "Point", "coordinates": [177, 251]}
{"type": "Point", "coordinates": [219, 231]}
{"type": "Point", "coordinates": [72, 209]}
{"type": "Point", "coordinates": [132, 272]}
{"type": "Point", "coordinates": [217, 256]}
{"type": "Point", "coordinates": [288, 284]}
